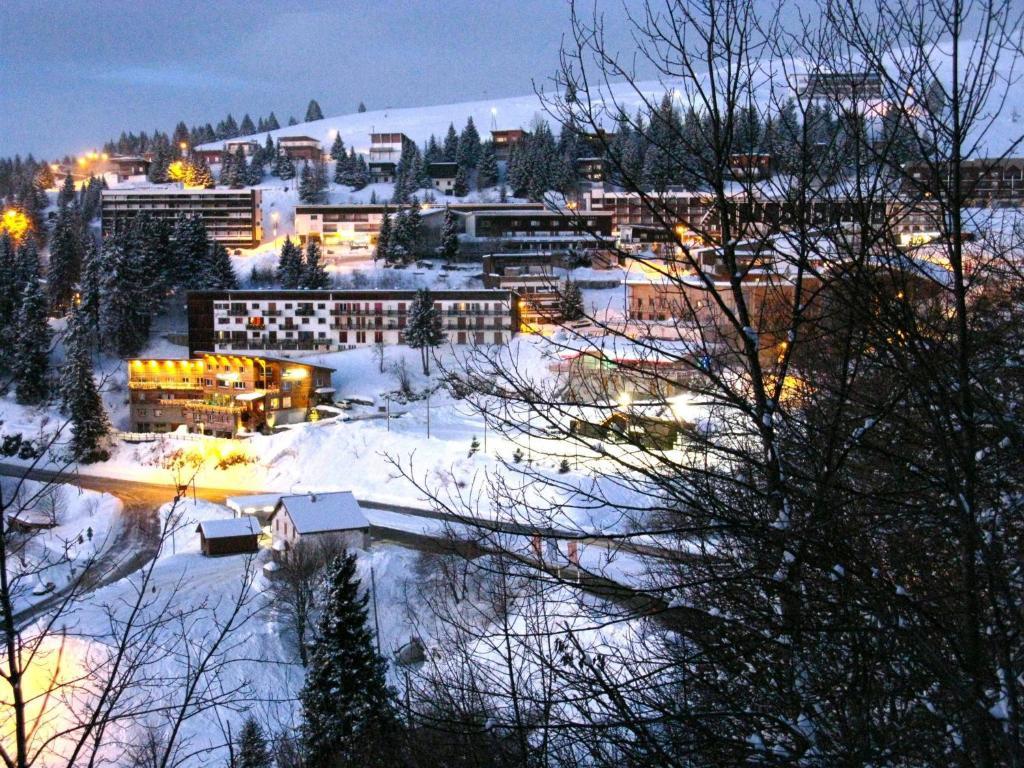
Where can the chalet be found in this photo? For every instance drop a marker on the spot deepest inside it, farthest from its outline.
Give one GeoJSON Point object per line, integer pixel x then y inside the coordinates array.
{"type": "Point", "coordinates": [248, 146]}
{"type": "Point", "coordinates": [125, 166]}
{"type": "Point", "coordinates": [223, 394]}
{"type": "Point", "coordinates": [505, 140]}
{"type": "Point", "coordinates": [234, 536]}
{"type": "Point", "coordinates": [301, 147]}
{"type": "Point", "coordinates": [442, 176]}
{"type": "Point", "coordinates": [315, 516]}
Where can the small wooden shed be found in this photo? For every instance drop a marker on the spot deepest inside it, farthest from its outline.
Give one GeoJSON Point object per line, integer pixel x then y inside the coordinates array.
{"type": "Point", "coordinates": [235, 536]}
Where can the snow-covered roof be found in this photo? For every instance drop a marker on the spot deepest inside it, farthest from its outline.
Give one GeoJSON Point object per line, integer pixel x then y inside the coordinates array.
{"type": "Point", "coordinates": [229, 528]}
{"type": "Point", "coordinates": [256, 502]}
{"type": "Point", "coordinates": [324, 512]}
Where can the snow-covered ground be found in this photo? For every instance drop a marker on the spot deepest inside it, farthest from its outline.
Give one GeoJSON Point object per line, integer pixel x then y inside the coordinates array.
{"type": "Point", "coordinates": [86, 526]}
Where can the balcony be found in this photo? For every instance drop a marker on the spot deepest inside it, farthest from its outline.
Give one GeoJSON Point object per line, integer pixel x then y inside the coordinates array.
{"type": "Point", "coordinates": [305, 312]}
{"type": "Point", "coordinates": [271, 313]}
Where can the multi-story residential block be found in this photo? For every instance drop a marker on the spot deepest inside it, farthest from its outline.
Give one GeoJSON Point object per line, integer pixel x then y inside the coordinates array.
{"type": "Point", "coordinates": [593, 170]}
{"type": "Point", "coordinates": [126, 166]}
{"type": "Point", "coordinates": [556, 232]}
{"type": "Point", "coordinates": [248, 146]}
{"type": "Point", "coordinates": [232, 216]}
{"type": "Point", "coordinates": [534, 278]}
{"type": "Point", "coordinates": [385, 151]}
{"type": "Point", "coordinates": [857, 86]}
{"type": "Point", "coordinates": [983, 182]}
{"type": "Point", "coordinates": [301, 147]}
{"type": "Point", "coordinates": [306, 322]}
{"type": "Point", "coordinates": [223, 395]}
{"type": "Point", "coordinates": [350, 231]}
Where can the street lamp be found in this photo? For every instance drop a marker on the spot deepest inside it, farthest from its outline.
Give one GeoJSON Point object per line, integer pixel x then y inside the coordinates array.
{"type": "Point", "coordinates": [273, 217]}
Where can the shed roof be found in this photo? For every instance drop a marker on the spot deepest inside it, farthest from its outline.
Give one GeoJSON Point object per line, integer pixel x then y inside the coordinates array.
{"type": "Point", "coordinates": [229, 528]}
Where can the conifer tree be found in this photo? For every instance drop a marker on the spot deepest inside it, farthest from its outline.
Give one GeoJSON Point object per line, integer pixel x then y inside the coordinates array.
{"type": "Point", "coordinates": [44, 177]}
{"type": "Point", "coordinates": [289, 265]}
{"type": "Point", "coordinates": [487, 171]}
{"type": "Point", "coordinates": [66, 250]}
{"type": "Point", "coordinates": [247, 128]}
{"type": "Point", "coordinates": [571, 301]}
{"type": "Point", "coordinates": [348, 711]}
{"type": "Point", "coordinates": [124, 299]}
{"type": "Point", "coordinates": [10, 297]}
{"type": "Point", "coordinates": [284, 168]}
{"type": "Point", "coordinates": [424, 331]}
{"type": "Point", "coordinates": [254, 170]}
{"type": "Point", "coordinates": [313, 111]}
{"type": "Point", "coordinates": [451, 144]}
{"type": "Point", "coordinates": [221, 274]}
{"type": "Point", "coordinates": [197, 173]}
{"type": "Point", "coordinates": [384, 237]}
{"type": "Point", "coordinates": [461, 186]}
{"type": "Point", "coordinates": [268, 153]}
{"type": "Point", "coordinates": [252, 748]}
{"type": "Point", "coordinates": [272, 124]}
{"type": "Point", "coordinates": [232, 173]}
{"type": "Point", "coordinates": [468, 152]}
{"type": "Point", "coordinates": [449, 249]}
{"type": "Point", "coordinates": [312, 184]}
{"type": "Point", "coordinates": [338, 148]}
{"type": "Point", "coordinates": [26, 263]}
{"type": "Point", "coordinates": [31, 347]}
{"type": "Point", "coordinates": [67, 191]}
{"type": "Point", "coordinates": [230, 127]}
{"type": "Point", "coordinates": [89, 289]}
{"type": "Point", "coordinates": [80, 397]}
{"type": "Point", "coordinates": [361, 108]}
{"type": "Point", "coordinates": [314, 274]}
{"type": "Point", "coordinates": [190, 252]}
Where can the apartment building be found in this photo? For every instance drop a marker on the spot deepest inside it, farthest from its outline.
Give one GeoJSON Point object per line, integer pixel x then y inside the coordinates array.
{"type": "Point", "coordinates": [536, 231]}
{"type": "Point", "coordinates": [983, 182]}
{"type": "Point", "coordinates": [534, 278]}
{"type": "Point", "coordinates": [223, 395]}
{"type": "Point", "coordinates": [306, 322]}
{"type": "Point", "coordinates": [232, 217]}
{"type": "Point", "coordinates": [385, 152]}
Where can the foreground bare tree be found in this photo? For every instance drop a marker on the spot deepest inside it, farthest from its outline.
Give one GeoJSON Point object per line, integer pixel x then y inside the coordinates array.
{"type": "Point", "coordinates": [835, 534]}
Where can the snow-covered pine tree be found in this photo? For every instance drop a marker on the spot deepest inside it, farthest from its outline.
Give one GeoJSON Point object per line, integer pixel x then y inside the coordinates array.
{"type": "Point", "coordinates": [10, 297]}
{"type": "Point", "coordinates": [284, 168]}
{"type": "Point", "coordinates": [461, 186]}
{"type": "Point", "coordinates": [424, 331]}
{"type": "Point", "coordinates": [247, 127]}
{"type": "Point", "coordinates": [31, 346]}
{"type": "Point", "coordinates": [449, 249]}
{"type": "Point", "coordinates": [197, 173]}
{"type": "Point", "coordinates": [571, 301]}
{"type": "Point", "coordinates": [361, 108]}
{"type": "Point", "coordinates": [26, 262]}
{"type": "Point", "coordinates": [66, 250]}
{"type": "Point", "coordinates": [254, 170]}
{"type": "Point", "coordinates": [191, 252]}
{"type": "Point", "coordinates": [314, 274]}
{"type": "Point", "coordinates": [124, 299]}
{"type": "Point", "coordinates": [338, 148]}
{"type": "Point", "coordinates": [230, 127]}
{"type": "Point", "coordinates": [221, 274]}
{"type": "Point", "coordinates": [252, 750]}
{"type": "Point", "coordinates": [89, 289]}
{"type": "Point", "coordinates": [349, 717]}
{"type": "Point", "coordinates": [451, 144]}
{"type": "Point", "coordinates": [289, 265]}
{"type": "Point", "coordinates": [268, 156]}
{"type": "Point", "coordinates": [313, 184]}
{"type": "Point", "coordinates": [79, 395]}
{"type": "Point", "coordinates": [67, 191]}
{"type": "Point", "coordinates": [487, 170]}
{"type": "Point", "coordinates": [233, 172]}
{"type": "Point", "coordinates": [468, 153]}
{"type": "Point", "coordinates": [384, 238]}
{"type": "Point", "coordinates": [313, 111]}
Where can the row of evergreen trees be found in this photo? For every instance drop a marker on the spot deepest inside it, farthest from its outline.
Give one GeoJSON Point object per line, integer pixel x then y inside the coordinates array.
{"type": "Point", "coordinates": [295, 271]}
{"type": "Point", "coordinates": [350, 169]}
{"type": "Point", "coordinates": [228, 128]}
{"type": "Point", "coordinates": [400, 238]}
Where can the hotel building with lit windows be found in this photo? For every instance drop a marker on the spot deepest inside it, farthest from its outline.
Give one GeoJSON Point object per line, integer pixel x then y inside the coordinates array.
{"type": "Point", "coordinates": [295, 323]}
{"type": "Point", "coordinates": [223, 395]}
{"type": "Point", "coordinates": [232, 217]}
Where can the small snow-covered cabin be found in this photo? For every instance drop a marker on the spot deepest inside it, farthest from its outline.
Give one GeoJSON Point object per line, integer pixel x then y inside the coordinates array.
{"type": "Point", "coordinates": [337, 515]}
{"type": "Point", "coordinates": [234, 536]}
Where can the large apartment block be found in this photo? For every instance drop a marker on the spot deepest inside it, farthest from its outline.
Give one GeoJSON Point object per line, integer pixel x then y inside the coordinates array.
{"type": "Point", "coordinates": [307, 322]}
{"type": "Point", "coordinates": [223, 395]}
{"type": "Point", "coordinates": [232, 217]}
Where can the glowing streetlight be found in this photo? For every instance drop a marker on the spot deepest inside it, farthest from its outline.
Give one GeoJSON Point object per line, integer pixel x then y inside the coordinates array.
{"type": "Point", "coordinates": [15, 223]}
